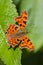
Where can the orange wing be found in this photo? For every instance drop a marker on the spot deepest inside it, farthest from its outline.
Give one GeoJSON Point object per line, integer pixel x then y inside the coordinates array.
{"type": "Point", "coordinates": [15, 34]}
{"type": "Point", "coordinates": [10, 34]}
{"type": "Point", "coordinates": [12, 29]}
{"type": "Point", "coordinates": [26, 43]}
{"type": "Point", "coordinates": [13, 41]}
{"type": "Point", "coordinates": [21, 20]}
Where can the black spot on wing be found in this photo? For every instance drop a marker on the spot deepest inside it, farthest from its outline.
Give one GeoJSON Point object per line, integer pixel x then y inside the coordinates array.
{"type": "Point", "coordinates": [24, 22]}
{"type": "Point", "coordinates": [18, 40]}
{"type": "Point", "coordinates": [20, 24]}
{"type": "Point", "coordinates": [28, 40]}
{"type": "Point", "coordinates": [30, 43]}
{"type": "Point", "coordinates": [25, 17]}
{"type": "Point", "coordinates": [16, 28]}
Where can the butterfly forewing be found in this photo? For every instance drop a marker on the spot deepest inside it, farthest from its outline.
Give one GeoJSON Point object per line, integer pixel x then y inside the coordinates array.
{"type": "Point", "coordinates": [21, 20]}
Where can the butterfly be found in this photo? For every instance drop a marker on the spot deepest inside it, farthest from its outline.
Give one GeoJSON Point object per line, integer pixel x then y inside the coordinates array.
{"type": "Point", "coordinates": [16, 35]}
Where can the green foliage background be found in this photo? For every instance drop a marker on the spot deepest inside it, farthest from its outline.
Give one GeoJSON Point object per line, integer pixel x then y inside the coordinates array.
{"type": "Point", "coordinates": [10, 9]}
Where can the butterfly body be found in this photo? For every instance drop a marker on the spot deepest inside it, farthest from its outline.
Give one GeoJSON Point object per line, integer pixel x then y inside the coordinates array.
{"type": "Point", "coordinates": [16, 34]}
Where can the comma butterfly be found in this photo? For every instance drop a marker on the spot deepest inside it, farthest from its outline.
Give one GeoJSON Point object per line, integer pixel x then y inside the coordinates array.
{"type": "Point", "coordinates": [15, 33]}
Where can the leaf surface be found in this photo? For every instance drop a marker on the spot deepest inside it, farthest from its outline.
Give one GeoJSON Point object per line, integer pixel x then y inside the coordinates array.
{"type": "Point", "coordinates": [7, 14]}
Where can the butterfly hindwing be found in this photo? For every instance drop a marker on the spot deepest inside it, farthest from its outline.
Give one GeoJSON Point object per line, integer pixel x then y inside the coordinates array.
{"type": "Point", "coordinates": [14, 41]}
{"type": "Point", "coordinates": [26, 43]}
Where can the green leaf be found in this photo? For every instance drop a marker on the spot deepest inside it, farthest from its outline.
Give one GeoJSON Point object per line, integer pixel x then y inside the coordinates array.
{"type": "Point", "coordinates": [35, 24]}
{"type": "Point", "coordinates": [7, 14]}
